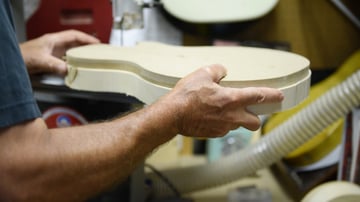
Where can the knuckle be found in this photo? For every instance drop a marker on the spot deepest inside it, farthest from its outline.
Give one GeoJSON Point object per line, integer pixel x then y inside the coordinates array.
{"type": "Point", "coordinates": [259, 96]}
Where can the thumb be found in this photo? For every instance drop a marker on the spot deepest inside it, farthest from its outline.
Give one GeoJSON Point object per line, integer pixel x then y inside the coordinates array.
{"type": "Point", "coordinates": [55, 65]}
{"type": "Point", "coordinates": [217, 72]}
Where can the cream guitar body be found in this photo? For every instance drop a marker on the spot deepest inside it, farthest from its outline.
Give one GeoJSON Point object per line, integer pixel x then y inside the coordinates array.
{"type": "Point", "coordinates": [149, 70]}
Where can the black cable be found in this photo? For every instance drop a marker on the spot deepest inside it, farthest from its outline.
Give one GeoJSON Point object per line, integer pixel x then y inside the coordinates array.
{"type": "Point", "coordinates": [165, 179]}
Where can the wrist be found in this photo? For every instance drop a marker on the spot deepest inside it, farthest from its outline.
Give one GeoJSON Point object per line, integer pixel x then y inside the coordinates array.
{"type": "Point", "coordinates": [164, 117]}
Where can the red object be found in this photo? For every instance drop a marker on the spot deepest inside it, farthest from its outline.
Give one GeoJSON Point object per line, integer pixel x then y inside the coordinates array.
{"type": "Point", "coordinates": [91, 16]}
{"type": "Point", "coordinates": [60, 117]}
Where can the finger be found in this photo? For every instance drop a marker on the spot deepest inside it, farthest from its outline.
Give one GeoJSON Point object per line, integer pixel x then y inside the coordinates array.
{"type": "Point", "coordinates": [258, 95]}
{"type": "Point", "coordinates": [251, 121]}
{"type": "Point", "coordinates": [53, 65]}
{"type": "Point", "coordinates": [216, 71]}
{"type": "Point", "coordinates": [74, 36]}
{"type": "Point", "coordinates": [58, 66]}
{"type": "Point", "coordinates": [242, 117]}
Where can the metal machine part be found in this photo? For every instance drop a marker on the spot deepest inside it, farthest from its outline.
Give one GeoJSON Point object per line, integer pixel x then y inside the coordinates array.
{"type": "Point", "coordinates": [135, 21]}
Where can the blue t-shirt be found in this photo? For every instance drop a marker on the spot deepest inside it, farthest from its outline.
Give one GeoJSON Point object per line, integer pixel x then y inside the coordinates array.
{"type": "Point", "coordinates": [17, 103]}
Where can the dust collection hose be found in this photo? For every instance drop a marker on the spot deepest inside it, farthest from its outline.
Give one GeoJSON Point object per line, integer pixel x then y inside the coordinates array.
{"type": "Point", "coordinates": [294, 132]}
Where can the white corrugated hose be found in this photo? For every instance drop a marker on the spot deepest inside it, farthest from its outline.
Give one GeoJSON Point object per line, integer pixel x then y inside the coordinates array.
{"type": "Point", "coordinates": [297, 130]}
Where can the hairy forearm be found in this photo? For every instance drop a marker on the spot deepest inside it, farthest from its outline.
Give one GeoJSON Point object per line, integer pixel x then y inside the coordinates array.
{"type": "Point", "coordinates": [74, 163]}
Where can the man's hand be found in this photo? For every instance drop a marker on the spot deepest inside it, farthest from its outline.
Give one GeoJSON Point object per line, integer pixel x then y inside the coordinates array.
{"type": "Point", "coordinates": [203, 108]}
{"type": "Point", "coordinates": [43, 54]}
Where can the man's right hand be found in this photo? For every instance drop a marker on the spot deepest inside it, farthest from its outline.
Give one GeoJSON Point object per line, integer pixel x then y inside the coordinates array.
{"type": "Point", "coordinates": [200, 107]}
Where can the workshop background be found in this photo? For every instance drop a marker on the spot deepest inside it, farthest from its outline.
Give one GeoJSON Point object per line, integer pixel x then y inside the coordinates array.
{"type": "Point", "coordinates": [316, 29]}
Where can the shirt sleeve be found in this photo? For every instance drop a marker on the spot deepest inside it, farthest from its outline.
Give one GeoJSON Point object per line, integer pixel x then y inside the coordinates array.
{"type": "Point", "coordinates": [17, 103]}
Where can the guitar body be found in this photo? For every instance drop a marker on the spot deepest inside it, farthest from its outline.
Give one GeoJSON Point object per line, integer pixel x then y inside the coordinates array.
{"type": "Point", "coordinates": [149, 70]}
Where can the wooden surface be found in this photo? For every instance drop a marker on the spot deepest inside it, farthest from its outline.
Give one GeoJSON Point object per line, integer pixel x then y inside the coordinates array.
{"type": "Point", "coordinates": [149, 70]}
{"type": "Point", "coordinates": [161, 63]}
